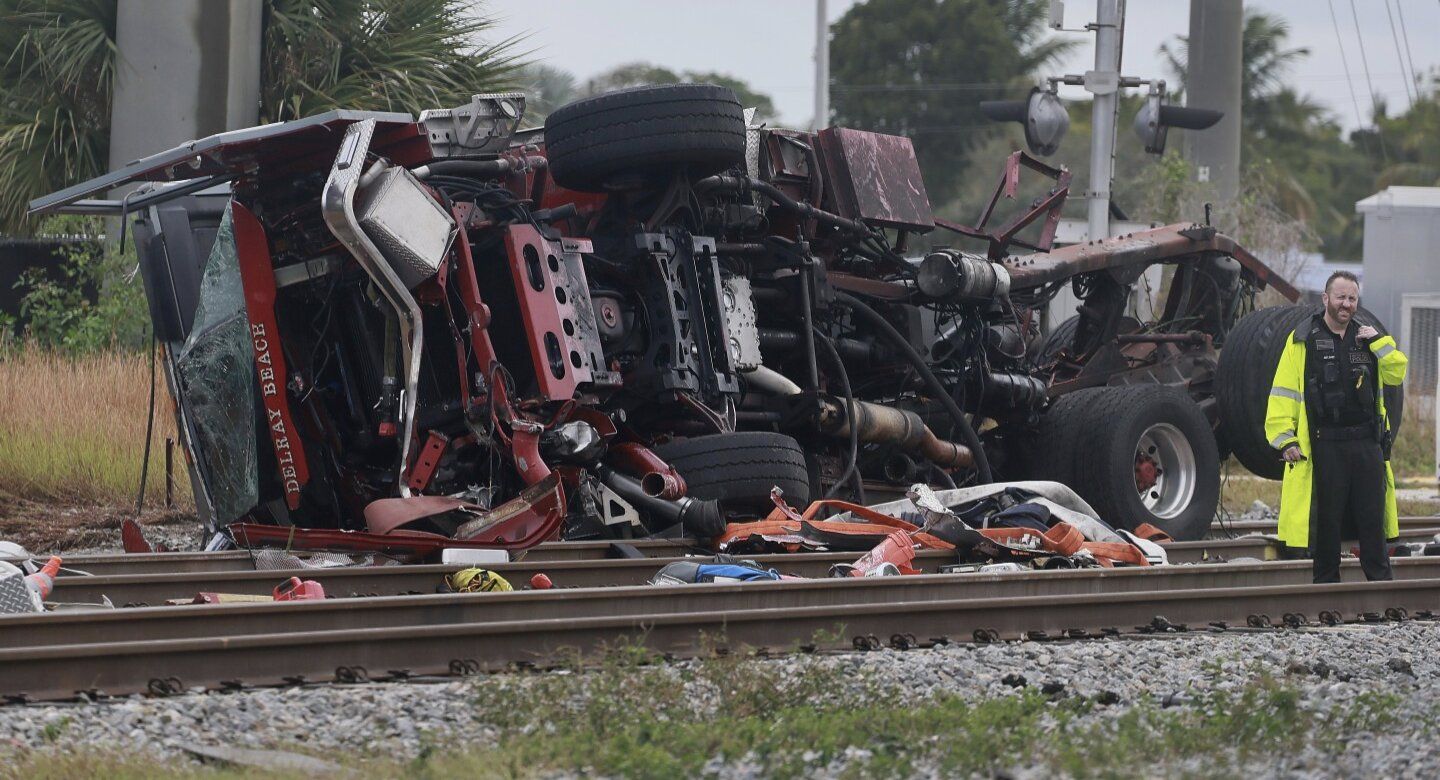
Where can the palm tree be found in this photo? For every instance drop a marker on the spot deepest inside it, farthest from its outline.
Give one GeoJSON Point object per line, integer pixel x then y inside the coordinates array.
{"type": "Point", "coordinates": [1264, 60]}
{"type": "Point", "coordinates": [1276, 120]}
{"type": "Point", "coordinates": [1268, 106]}
{"type": "Point", "coordinates": [546, 89]}
{"type": "Point", "coordinates": [1410, 138]}
{"type": "Point", "coordinates": [57, 71]}
{"type": "Point", "coordinates": [56, 81]}
{"type": "Point", "coordinates": [383, 55]}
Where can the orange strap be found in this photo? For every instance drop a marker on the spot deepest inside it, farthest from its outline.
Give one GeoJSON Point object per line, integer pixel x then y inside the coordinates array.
{"type": "Point", "coordinates": [1061, 539]}
{"type": "Point", "coordinates": [1151, 533]}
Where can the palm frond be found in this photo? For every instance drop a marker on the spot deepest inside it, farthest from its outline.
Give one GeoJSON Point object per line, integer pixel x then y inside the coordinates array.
{"type": "Point", "coordinates": [57, 71]}
{"type": "Point", "coordinates": [389, 55]}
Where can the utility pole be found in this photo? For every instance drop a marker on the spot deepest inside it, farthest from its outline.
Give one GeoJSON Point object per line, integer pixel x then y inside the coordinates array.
{"type": "Point", "coordinates": [1045, 122]}
{"type": "Point", "coordinates": [1213, 81]}
{"type": "Point", "coordinates": [822, 66]}
{"type": "Point", "coordinates": [1104, 83]}
{"type": "Point", "coordinates": [185, 69]}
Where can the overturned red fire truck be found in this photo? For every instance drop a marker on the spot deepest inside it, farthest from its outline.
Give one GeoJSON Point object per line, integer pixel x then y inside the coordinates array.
{"type": "Point", "coordinates": [642, 318]}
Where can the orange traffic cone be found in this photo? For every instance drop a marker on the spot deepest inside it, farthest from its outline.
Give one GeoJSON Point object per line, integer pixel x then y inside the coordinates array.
{"type": "Point", "coordinates": [43, 581]}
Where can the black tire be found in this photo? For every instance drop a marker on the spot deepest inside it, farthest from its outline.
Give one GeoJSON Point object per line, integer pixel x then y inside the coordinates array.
{"type": "Point", "coordinates": [1242, 383]}
{"type": "Point", "coordinates": [1059, 337]}
{"type": "Point", "coordinates": [1052, 454]}
{"type": "Point", "coordinates": [1116, 423]}
{"type": "Point", "coordinates": [739, 469]}
{"type": "Point", "coordinates": [646, 132]}
{"type": "Point", "coordinates": [1247, 369]}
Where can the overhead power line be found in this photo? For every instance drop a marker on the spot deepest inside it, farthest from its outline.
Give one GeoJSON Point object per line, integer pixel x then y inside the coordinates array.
{"type": "Point", "coordinates": [1374, 100]}
{"type": "Point", "coordinates": [1399, 55]}
{"type": "Point", "coordinates": [1345, 63]}
{"type": "Point", "coordinates": [1404, 33]}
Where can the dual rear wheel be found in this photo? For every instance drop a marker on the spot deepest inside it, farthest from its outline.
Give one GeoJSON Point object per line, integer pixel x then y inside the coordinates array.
{"type": "Point", "coordinates": [1136, 454]}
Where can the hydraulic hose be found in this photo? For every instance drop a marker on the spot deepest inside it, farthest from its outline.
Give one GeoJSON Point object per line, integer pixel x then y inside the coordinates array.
{"type": "Point", "coordinates": [464, 168]}
{"type": "Point", "coordinates": [744, 184]}
{"type": "Point", "coordinates": [852, 464]}
{"type": "Point", "coordinates": [967, 431]}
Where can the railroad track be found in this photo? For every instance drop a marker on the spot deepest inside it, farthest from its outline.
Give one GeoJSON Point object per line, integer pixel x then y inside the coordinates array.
{"type": "Point", "coordinates": [231, 573]}
{"type": "Point", "coordinates": [240, 560]}
{"type": "Point", "coordinates": [214, 620]}
{"type": "Point", "coordinates": [373, 639]}
{"type": "Point", "coordinates": [1407, 524]}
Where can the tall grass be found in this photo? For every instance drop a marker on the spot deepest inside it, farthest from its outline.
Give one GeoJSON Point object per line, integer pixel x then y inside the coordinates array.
{"type": "Point", "coordinates": [1413, 456]}
{"type": "Point", "coordinates": [72, 428]}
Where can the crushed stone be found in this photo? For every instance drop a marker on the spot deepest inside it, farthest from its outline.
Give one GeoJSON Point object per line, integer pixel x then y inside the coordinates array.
{"type": "Point", "coordinates": [1328, 666]}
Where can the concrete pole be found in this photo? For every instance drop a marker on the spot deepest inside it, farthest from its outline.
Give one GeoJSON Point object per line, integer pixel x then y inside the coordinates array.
{"type": "Point", "coordinates": [1213, 81]}
{"type": "Point", "coordinates": [1103, 84]}
{"type": "Point", "coordinates": [185, 69]}
{"type": "Point", "coordinates": [1109, 29]}
{"type": "Point", "coordinates": [822, 67]}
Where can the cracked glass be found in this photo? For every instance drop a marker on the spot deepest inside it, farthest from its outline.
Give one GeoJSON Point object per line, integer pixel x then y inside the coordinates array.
{"type": "Point", "coordinates": [216, 371]}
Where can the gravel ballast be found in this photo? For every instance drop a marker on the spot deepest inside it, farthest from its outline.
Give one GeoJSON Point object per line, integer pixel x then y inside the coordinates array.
{"type": "Point", "coordinates": [1329, 667]}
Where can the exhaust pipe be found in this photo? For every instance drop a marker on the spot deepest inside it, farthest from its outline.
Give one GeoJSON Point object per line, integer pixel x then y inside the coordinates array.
{"type": "Point", "coordinates": [701, 518]}
{"type": "Point", "coordinates": [887, 425]}
{"type": "Point", "coordinates": [657, 478]}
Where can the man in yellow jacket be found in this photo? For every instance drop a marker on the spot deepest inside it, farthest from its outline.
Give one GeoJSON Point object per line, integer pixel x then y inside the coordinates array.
{"type": "Point", "coordinates": [1326, 418]}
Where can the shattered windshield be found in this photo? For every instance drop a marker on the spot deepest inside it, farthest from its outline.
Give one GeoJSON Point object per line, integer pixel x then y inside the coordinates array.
{"type": "Point", "coordinates": [217, 377]}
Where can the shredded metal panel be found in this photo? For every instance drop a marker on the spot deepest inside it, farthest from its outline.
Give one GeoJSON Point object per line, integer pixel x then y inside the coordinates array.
{"type": "Point", "coordinates": [877, 178]}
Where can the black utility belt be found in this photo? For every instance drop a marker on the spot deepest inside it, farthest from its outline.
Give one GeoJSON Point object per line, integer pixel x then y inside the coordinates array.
{"type": "Point", "coordinates": [1345, 433]}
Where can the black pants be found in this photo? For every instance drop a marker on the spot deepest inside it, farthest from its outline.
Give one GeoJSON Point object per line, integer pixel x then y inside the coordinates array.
{"type": "Point", "coordinates": [1349, 482]}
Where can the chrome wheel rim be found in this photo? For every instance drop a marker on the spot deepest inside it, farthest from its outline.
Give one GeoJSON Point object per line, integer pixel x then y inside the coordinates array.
{"type": "Point", "coordinates": [1165, 474]}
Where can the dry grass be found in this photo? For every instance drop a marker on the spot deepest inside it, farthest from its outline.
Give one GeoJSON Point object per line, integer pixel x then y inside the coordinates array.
{"type": "Point", "coordinates": [72, 428]}
{"type": "Point", "coordinates": [1413, 456]}
{"type": "Point", "coordinates": [1242, 489]}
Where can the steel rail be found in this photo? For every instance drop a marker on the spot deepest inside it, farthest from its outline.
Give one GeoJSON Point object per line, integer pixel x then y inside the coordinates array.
{"type": "Point", "coordinates": [1407, 524]}
{"type": "Point", "coordinates": [174, 665]}
{"type": "Point", "coordinates": [243, 560]}
{"type": "Point", "coordinates": [193, 564]}
{"type": "Point", "coordinates": [90, 627]}
{"type": "Point", "coordinates": [155, 589]}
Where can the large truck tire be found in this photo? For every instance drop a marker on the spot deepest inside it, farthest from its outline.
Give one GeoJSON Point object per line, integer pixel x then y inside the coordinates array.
{"type": "Point", "coordinates": [1146, 454]}
{"type": "Point", "coordinates": [739, 469]}
{"type": "Point", "coordinates": [1051, 454]}
{"type": "Point", "coordinates": [645, 131]}
{"type": "Point", "coordinates": [1057, 339]}
{"type": "Point", "coordinates": [1246, 371]}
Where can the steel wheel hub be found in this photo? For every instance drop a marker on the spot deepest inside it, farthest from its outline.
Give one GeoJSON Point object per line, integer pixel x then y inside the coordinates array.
{"type": "Point", "coordinates": [1165, 477]}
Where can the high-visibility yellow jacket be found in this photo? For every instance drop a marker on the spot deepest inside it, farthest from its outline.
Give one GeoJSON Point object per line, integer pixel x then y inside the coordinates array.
{"type": "Point", "coordinates": [1286, 423]}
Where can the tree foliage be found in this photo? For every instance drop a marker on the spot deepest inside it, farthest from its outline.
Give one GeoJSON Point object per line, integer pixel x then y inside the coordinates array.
{"type": "Point", "coordinates": [546, 89]}
{"type": "Point", "coordinates": [1315, 172]}
{"type": "Point", "coordinates": [636, 74]}
{"type": "Point", "coordinates": [920, 68]}
{"type": "Point", "coordinates": [90, 302]}
{"type": "Point", "coordinates": [384, 55]}
{"type": "Point", "coordinates": [57, 74]}
{"type": "Point", "coordinates": [58, 60]}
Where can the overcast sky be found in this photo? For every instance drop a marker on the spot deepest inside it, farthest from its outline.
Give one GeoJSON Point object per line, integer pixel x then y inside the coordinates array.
{"type": "Point", "coordinates": [770, 43]}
